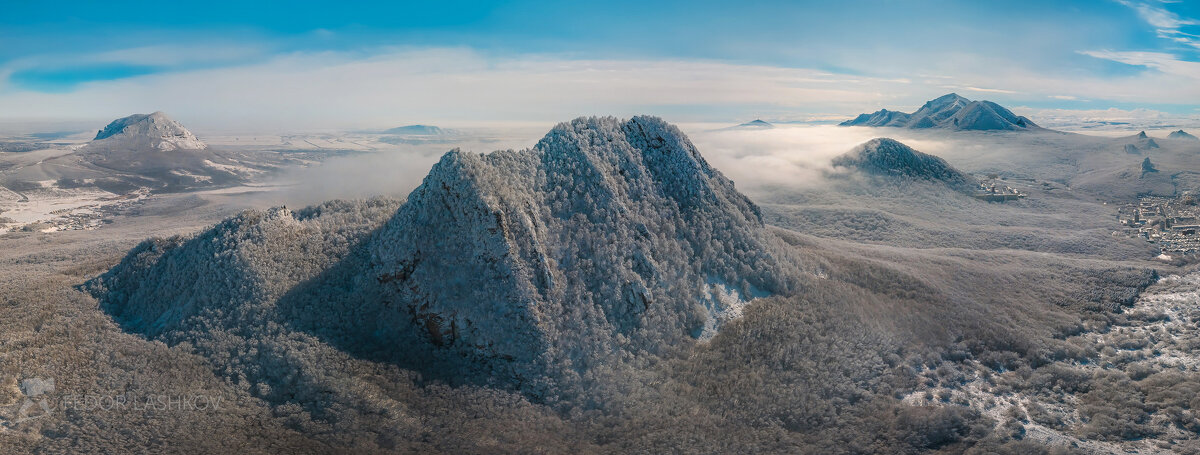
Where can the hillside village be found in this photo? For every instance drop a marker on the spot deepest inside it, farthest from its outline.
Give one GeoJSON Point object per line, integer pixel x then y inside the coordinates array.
{"type": "Point", "coordinates": [1172, 223]}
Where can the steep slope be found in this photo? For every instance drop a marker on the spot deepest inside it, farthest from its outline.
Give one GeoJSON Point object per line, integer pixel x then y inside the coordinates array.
{"type": "Point", "coordinates": [605, 237]}
{"type": "Point", "coordinates": [952, 112]}
{"type": "Point", "coordinates": [891, 159]}
{"type": "Point", "coordinates": [1181, 134]}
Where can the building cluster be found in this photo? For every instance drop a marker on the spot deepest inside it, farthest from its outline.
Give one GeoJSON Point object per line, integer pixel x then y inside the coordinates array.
{"type": "Point", "coordinates": [992, 191]}
{"type": "Point", "coordinates": [1172, 223]}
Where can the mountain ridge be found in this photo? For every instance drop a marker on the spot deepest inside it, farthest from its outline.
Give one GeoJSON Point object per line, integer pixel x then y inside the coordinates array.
{"type": "Point", "coordinates": [950, 111]}
{"type": "Point", "coordinates": [1181, 134]}
{"type": "Point", "coordinates": [528, 265]}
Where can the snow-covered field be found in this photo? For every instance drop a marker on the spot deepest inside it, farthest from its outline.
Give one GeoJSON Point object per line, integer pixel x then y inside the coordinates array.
{"type": "Point", "coordinates": [51, 208]}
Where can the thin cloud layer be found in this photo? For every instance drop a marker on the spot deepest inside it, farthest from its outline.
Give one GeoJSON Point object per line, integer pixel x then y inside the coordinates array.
{"type": "Point", "coordinates": [332, 90]}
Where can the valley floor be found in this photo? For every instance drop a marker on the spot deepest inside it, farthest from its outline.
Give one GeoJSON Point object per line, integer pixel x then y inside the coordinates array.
{"type": "Point", "coordinates": [926, 322]}
{"type": "Point", "coordinates": [52, 332]}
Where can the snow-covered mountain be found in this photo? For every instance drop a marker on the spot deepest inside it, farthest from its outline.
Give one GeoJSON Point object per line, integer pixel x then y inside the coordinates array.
{"type": "Point", "coordinates": [607, 236]}
{"type": "Point", "coordinates": [756, 124]}
{"type": "Point", "coordinates": [951, 112]}
{"type": "Point", "coordinates": [882, 117]}
{"type": "Point", "coordinates": [142, 131]}
{"type": "Point", "coordinates": [1141, 141]}
{"type": "Point", "coordinates": [416, 130]}
{"type": "Point", "coordinates": [160, 153]}
{"type": "Point", "coordinates": [1181, 134]}
{"type": "Point", "coordinates": [892, 159]}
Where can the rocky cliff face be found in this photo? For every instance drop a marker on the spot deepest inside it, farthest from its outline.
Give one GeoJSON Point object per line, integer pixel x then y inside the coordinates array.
{"type": "Point", "coordinates": [605, 233]}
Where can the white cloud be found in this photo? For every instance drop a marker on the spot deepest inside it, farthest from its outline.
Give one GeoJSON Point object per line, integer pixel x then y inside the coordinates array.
{"type": "Point", "coordinates": [1160, 61]}
{"type": "Point", "coordinates": [331, 90]}
{"type": "Point", "coordinates": [1112, 119]}
{"type": "Point", "coordinates": [336, 90]}
{"type": "Point", "coordinates": [987, 90]}
{"type": "Point", "coordinates": [1166, 23]}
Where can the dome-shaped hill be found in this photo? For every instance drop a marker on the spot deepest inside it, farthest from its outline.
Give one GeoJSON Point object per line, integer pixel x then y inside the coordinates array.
{"type": "Point", "coordinates": [892, 159]}
{"type": "Point", "coordinates": [155, 130]}
{"type": "Point", "coordinates": [159, 152]}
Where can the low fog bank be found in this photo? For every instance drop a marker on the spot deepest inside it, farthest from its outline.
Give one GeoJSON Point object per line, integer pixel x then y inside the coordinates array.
{"type": "Point", "coordinates": [761, 162]}
{"type": "Point", "coordinates": [788, 156]}
{"type": "Point", "coordinates": [394, 171]}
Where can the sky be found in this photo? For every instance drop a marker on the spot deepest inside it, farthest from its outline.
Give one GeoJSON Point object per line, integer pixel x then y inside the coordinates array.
{"type": "Point", "coordinates": [334, 65]}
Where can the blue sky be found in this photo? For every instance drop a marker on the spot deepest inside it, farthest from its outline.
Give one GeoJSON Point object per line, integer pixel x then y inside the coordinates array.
{"type": "Point", "coordinates": [343, 63]}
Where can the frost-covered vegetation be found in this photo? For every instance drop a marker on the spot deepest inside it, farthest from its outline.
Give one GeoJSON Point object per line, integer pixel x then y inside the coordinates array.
{"type": "Point", "coordinates": [584, 296]}
{"type": "Point", "coordinates": [889, 158]}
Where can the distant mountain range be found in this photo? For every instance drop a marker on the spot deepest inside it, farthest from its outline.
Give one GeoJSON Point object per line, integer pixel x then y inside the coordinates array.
{"type": "Point", "coordinates": [417, 130]}
{"type": "Point", "coordinates": [892, 159]}
{"type": "Point", "coordinates": [755, 124]}
{"type": "Point", "coordinates": [952, 112]}
{"type": "Point", "coordinates": [1181, 134]}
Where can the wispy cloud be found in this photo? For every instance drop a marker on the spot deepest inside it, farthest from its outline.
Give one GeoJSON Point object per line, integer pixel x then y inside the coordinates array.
{"type": "Point", "coordinates": [1163, 62]}
{"type": "Point", "coordinates": [338, 90]}
{"type": "Point", "coordinates": [74, 68]}
{"type": "Point", "coordinates": [1167, 24]}
{"type": "Point", "coordinates": [979, 89]}
{"type": "Point", "coordinates": [333, 90]}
